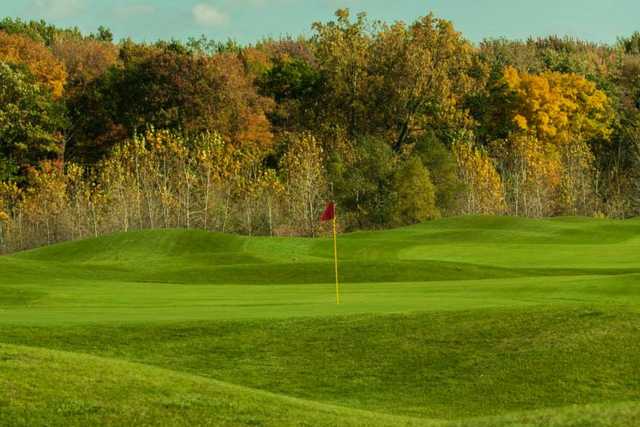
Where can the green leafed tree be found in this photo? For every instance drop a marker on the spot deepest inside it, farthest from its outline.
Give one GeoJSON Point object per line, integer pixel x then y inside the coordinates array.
{"type": "Point", "coordinates": [443, 169]}
{"type": "Point", "coordinates": [30, 120]}
{"type": "Point", "coordinates": [364, 182]}
{"type": "Point", "coordinates": [414, 194]}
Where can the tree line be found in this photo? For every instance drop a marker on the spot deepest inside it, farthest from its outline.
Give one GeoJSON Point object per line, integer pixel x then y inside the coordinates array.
{"type": "Point", "coordinates": [399, 123]}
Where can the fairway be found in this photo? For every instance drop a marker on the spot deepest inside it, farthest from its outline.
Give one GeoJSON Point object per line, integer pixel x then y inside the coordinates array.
{"type": "Point", "coordinates": [463, 321]}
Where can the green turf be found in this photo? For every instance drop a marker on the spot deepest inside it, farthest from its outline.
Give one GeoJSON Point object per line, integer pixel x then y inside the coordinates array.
{"type": "Point", "coordinates": [463, 321]}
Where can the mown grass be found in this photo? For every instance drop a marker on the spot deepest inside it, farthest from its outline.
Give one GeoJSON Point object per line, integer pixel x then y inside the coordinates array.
{"type": "Point", "coordinates": [466, 321]}
{"type": "Point", "coordinates": [44, 387]}
{"type": "Point", "coordinates": [437, 365]}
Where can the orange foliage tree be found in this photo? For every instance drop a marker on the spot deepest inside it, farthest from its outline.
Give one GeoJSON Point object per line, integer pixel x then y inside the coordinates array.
{"type": "Point", "coordinates": [84, 59]}
{"type": "Point", "coordinates": [42, 64]}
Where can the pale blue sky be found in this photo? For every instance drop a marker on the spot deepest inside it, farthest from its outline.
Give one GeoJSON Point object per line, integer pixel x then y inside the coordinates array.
{"type": "Point", "coordinates": [250, 20]}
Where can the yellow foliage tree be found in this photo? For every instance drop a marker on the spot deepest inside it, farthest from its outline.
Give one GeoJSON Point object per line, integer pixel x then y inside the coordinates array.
{"type": "Point", "coordinates": [4, 217]}
{"type": "Point", "coordinates": [11, 197]}
{"type": "Point", "coordinates": [558, 108]}
{"type": "Point", "coordinates": [305, 182]}
{"type": "Point", "coordinates": [531, 173]}
{"type": "Point", "coordinates": [46, 200]}
{"type": "Point", "coordinates": [546, 160]}
{"type": "Point", "coordinates": [484, 192]}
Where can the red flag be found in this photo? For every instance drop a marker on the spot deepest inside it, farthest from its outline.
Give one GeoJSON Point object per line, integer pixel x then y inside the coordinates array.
{"type": "Point", "coordinates": [329, 212]}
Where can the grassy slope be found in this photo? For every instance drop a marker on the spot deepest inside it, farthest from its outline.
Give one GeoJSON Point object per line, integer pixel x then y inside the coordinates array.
{"type": "Point", "coordinates": [98, 391]}
{"type": "Point", "coordinates": [553, 321]}
{"type": "Point", "coordinates": [105, 391]}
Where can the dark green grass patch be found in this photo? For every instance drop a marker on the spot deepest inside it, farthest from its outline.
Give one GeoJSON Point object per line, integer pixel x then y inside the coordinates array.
{"type": "Point", "coordinates": [17, 296]}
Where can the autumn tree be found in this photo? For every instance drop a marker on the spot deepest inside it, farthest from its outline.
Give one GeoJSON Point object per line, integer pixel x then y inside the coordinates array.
{"type": "Point", "coordinates": [4, 218]}
{"type": "Point", "coordinates": [84, 59]}
{"type": "Point", "coordinates": [531, 173]}
{"type": "Point", "coordinates": [10, 200]}
{"type": "Point", "coordinates": [562, 113]}
{"type": "Point", "coordinates": [484, 193]}
{"type": "Point", "coordinates": [41, 63]}
{"type": "Point", "coordinates": [175, 89]}
{"type": "Point", "coordinates": [31, 118]}
{"type": "Point", "coordinates": [343, 50]}
{"type": "Point", "coordinates": [558, 108]}
{"type": "Point", "coordinates": [618, 168]}
{"type": "Point", "coordinates": [394, 81]}
{"type": "Point", "coordinates": [45, 201]}
{"type": "Point", "coordinates": [420, 77]}
{"type": "Point", "coordinates": [304, 182]}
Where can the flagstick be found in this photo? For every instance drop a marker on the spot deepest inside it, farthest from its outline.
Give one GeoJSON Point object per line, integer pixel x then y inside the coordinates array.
{"type": "Point", "coordinates": [335, 255]}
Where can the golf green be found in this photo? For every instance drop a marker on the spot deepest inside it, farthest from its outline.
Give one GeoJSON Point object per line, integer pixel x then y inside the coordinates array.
{"type": "Point", "coordinates": [463, 321]}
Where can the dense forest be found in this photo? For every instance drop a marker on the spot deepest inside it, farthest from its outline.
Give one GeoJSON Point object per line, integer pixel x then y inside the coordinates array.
{"type": "Point", "coordinates": [399, 123]}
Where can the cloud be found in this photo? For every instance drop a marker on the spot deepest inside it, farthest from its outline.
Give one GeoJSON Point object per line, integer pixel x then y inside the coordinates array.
{"type": "Point", "coordinates": [209, 16]}
{"type": "Point", "coordinates": [57, 9]}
